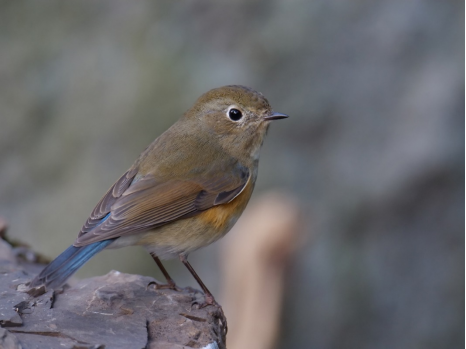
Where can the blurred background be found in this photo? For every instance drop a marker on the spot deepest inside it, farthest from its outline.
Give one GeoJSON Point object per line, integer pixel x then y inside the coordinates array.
{"type": "Point", "coordinates": [373, 153]}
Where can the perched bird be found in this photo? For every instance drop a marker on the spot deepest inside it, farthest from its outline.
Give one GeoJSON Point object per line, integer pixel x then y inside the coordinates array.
{"type": "Point", "coordinates": [185, 191]}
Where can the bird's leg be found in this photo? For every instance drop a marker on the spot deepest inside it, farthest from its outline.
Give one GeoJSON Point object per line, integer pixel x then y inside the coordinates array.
{"type": "Point", "coordinates": [209, 299]}
{"type": "Point", "coordinates": [170, 283]}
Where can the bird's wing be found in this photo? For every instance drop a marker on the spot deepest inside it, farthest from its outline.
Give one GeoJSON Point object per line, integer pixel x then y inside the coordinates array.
{"type": "Point", "coordinates": [102, 209]}
{"type": "Point", "coordinates": [129, 207]}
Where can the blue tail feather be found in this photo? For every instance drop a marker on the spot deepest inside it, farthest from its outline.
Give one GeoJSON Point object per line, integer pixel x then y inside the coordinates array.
{"type": "Point", "coordinates": [61, 268]}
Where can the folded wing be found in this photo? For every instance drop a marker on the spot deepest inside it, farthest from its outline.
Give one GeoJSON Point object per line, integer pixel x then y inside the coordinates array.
{"type": "Point", "coordinates": [131, 206]}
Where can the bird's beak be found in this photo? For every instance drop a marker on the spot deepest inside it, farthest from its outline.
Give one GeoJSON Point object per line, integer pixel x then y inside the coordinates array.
{"type": "Point", "coordinates": [275, 116]}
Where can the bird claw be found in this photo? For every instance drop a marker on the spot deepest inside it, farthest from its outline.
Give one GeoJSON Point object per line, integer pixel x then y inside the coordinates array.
{"type": "Point", "coordinates": [158, 286]}
{"type": "Point", "coordinates": [209, 300]}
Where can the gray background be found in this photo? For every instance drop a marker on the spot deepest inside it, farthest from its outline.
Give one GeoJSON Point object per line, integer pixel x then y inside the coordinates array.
{"type": "Point", "coordinates": [373, 149]}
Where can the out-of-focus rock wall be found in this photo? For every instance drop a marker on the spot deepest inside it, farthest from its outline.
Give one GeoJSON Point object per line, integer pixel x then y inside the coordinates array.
{"type": "Point", "coordinates": [373, 148]}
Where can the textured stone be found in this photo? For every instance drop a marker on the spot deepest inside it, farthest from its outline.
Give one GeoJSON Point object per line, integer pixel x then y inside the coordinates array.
{"type": "Point", "coordinates": [112, 311]}
{"type": "Point", "coordinates": [8, 340]}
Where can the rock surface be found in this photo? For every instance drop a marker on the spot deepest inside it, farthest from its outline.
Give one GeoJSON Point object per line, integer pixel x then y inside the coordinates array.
{"type": "Point", "coordinates": [112, 311]}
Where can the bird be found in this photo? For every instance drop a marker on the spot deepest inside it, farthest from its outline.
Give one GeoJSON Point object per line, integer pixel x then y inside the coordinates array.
{"type": "Point", "coordinates": [185, 191]}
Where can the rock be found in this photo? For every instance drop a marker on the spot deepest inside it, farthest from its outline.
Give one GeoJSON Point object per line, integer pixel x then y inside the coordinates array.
{"type": "Point", "coordinates": [116, 310]}
{"type": "Point", "coordinates": [8, 340]}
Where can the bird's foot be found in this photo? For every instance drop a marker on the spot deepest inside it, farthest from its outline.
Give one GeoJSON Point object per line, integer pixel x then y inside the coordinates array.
{"type": "Point", "coordinates": [169, 286]}
{"type": "Point", "coordinates": [210, 300]}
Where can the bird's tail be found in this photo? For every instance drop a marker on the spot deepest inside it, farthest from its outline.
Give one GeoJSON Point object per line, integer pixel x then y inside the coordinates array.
{"type": "Point", "coordinates": [61, 268]}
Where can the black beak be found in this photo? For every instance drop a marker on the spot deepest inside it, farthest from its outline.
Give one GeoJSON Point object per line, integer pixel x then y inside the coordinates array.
{"type": "Point", "coordinates": [276, 116]}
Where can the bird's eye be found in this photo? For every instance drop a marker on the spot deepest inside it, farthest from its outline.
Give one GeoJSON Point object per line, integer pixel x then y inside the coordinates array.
{"type": "Point", "coordinates": [235, 114]}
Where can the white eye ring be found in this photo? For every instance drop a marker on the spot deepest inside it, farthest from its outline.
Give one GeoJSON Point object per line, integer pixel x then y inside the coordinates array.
{"type": "Point", "coordinates": [234, 114]}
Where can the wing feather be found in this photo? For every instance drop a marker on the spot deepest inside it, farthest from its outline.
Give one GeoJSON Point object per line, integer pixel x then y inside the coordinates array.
{"type": "Point", "coordinates": [132, 206]}
{"type": "Point", "coordinates": [103, 208]}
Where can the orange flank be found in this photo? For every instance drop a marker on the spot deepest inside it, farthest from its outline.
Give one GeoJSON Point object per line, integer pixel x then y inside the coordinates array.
{"type": "Point", "coordinates": [219, 216]}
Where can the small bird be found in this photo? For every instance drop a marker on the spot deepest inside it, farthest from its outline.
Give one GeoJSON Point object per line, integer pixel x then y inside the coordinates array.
{"type": "Point", "coordinates": [185, 191]}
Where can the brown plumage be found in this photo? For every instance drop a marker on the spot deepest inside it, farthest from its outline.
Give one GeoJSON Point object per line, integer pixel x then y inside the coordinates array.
{"type": "Point", "coordinates": [185, 191]}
